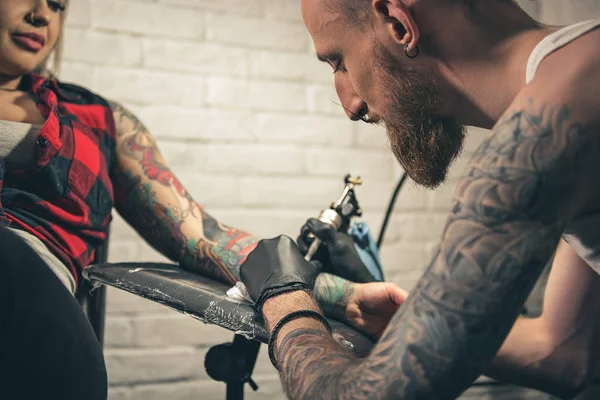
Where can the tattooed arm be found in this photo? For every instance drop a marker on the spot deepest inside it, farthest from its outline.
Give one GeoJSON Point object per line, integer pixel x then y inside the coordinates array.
{"type": "Point", "coordinates": [522, 186]}
{"type": "Point", "coordinates": [366, 307]}
{"type": "Point", "coordinates": [154, 202]}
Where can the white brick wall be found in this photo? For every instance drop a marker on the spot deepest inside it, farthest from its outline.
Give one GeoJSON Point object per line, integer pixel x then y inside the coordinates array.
{"type": "Point", "coordinates": [244, 115]}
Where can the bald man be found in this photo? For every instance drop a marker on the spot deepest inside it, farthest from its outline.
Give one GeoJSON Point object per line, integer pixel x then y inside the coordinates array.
{"type": "Point", "coordinates": [425, 69]}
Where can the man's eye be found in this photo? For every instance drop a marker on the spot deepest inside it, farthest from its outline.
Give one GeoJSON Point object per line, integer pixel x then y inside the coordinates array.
{"type": "Point", "coordinates": [56, 6]}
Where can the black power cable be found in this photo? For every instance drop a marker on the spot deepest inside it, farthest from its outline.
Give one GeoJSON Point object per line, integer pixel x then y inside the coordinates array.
{"type": "Point", "coordinates": [390, 208]}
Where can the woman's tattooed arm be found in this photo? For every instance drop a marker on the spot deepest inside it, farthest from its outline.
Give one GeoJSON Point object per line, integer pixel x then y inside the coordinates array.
{"type": "Point", "coordinates": [151, 198]}
{"type": "Point", "coordinates": [522, 186]}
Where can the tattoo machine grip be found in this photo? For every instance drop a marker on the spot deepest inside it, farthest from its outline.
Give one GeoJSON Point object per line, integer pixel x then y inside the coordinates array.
{"type": "Point", "coordinates": [339, 213]}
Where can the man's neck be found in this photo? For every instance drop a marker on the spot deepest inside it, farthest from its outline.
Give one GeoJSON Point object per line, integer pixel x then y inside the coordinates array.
{"type": "Point", "coordinates": [490, 85]}
{"type": "Point", "coordinates": [485, 62]}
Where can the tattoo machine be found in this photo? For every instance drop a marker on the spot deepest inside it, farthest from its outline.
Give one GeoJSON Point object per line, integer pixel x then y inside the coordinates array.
{"type": "Point", "coordinates": [339, 213]}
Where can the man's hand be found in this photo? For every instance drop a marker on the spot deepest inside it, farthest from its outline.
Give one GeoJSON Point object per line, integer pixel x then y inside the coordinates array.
{"type": "Point", "coordinates": [337, 254]}
{"type": "Point", "coordinates": [275, 267]}
{"type": "Point", "coordinates": [371, 306]}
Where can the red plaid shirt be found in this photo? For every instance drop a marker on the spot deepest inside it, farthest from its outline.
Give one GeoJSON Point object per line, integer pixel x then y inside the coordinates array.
{"type": "Point", "coordinates": [67, 197]}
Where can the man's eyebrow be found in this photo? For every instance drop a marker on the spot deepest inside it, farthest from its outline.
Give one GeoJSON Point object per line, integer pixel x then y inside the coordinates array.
{"type": "Point", "coordinates": [328, 57]}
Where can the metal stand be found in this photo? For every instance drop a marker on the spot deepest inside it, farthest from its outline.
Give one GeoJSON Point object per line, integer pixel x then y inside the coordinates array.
{"type": "Point", "coordinates": [233, 363]}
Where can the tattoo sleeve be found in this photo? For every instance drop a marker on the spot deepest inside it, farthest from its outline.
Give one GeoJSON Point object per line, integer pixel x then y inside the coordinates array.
{"type": "Point", "coordinates": [509, 210]}
{"type": "Point", "coordinates": [154, 202]}
{"type": "Point", "coordinates": [332, 294]}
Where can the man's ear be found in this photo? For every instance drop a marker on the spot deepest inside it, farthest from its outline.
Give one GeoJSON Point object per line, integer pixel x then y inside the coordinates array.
{"type": "Point", "coordinates": [397, 19]}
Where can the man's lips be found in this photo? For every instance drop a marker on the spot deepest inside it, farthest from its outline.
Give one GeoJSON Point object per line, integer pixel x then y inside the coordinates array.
{"type": "Point", "coordinates": [29, 40]}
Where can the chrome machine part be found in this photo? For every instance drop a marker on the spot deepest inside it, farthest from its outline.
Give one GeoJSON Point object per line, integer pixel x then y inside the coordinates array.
{"type": "Point", "coordinates": [339, 213]}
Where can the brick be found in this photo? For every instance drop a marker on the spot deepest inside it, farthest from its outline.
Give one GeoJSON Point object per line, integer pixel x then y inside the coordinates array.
{"type": "Point", "coordinates": [149, 254]}
{"type": "Point", "coordinates": [243, 7]}
{"type": "Point", "coordinates": [190, 390]}
{"type": "Point", "coordinates": [267, 223]}
{"type": "Point", "coordinates": [148, 19]}
{"type": "Point", "coordinates": [176, 330]}
{"type": "Point", "coordinates": [338, 162]}
{"type": "Point", "coordinates": [370, 136]}
{"type": "Point", "coordinates": [289, 66]}
{"type": "Point", "coordinates": [404, 258]}
{"type": "Point", "coordinates": [102, 48]}
{"type": "Point", "coordinates": [558, 12]}
{"type": "Point", "coordinates": [120, 251]}
{"type": "Point", "coordinates": [321, 98]}
{"type": "Point", "coordinates": [200, 58]}
{"type": "Point", "coordinates": [254, 95]}
{"type": "Point", "coordinates": [182, 156]}
{"type": "Point", "coordinates": [212, 190]}
{"type": "Point", "coordinates": [376, 194]}
{"type": "Point", "coordinates": [269, 389]}
{"type": "Point", "coordinates": [76, 73]}
{"type": "Point", "coordinates": [288, 10]}
{"type": "Point", "coordinates": [144, 87]}
{"type": "Point", "coordinates": [441, 198]}
{"type": "Point", "coordinates": [119, 393]}
{"type": "Point", "coordinates": [458, 168]}
{"type": "Point", "coordinates": [121, 302]}
{"type": "Point", "coordinates": [255, 32]}
{"type": "Point", "coordinates": [406, 280]}
{"type": "Point", "coordinates": [248, 159]}
{"type": "Point", "coordinates": [119, 332]}
{"type": "Point", "coordinates": [147, 365]}
{"type": "Point", "coordinates": [305, 129]}
{"type": "Point", "coordinates": [290, 192]}
{"type": "Point", "coordinates": [475, 137]}
{"type": "Point", "coordinates": [416, 227]}
{"type": "Point", "coordinates": [197, 124]}
{"type": "Point", "coordinates": [412, 197]}
{"type": "Point", "coordinates": [79, 15]}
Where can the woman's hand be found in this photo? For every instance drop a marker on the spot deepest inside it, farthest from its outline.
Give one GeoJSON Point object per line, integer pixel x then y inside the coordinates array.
{"type": "Point", "coordinates": [371, 306]}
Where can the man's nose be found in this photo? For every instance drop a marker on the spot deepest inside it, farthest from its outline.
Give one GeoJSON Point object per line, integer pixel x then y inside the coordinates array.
{"type": "Point", "coordinates": [354, 106]}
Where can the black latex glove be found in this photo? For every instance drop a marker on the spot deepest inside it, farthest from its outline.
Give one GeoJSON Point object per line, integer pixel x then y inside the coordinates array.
{"type": "Point", "coordinates": [337, 254]}
{"type": "Point", "coordinates": [276, 266]}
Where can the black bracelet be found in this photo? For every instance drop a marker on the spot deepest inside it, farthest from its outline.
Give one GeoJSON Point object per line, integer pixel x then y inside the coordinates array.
{"type": "Point", "coordinates": [288, 318]}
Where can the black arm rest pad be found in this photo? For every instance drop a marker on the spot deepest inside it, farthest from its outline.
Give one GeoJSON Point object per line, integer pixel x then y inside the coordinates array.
{"type": "Point", "coordinates": [199, 297]}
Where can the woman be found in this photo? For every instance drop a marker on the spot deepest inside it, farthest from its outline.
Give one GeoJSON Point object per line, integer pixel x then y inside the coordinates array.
{"type": "Point", "coordinates": [67, 156]}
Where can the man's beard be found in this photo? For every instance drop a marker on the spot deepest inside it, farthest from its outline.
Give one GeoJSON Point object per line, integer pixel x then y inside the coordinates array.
{"type": "Point", "coordinates": [424, 142]}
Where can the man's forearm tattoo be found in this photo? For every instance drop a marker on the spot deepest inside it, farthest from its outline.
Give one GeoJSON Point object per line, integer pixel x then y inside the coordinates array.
{"type": "Point", "coordinates": [509, 211]}
{"type": "Point", "coordinates": [332, 293]}
{"type": "Point", "coordinates": [155, 203]}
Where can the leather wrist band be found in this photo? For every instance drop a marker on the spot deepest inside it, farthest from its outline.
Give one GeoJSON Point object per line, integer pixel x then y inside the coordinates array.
{"type": "Point", "coordinates": [276, 291]}
{"type": "Point", "coordinates": [288, 318]}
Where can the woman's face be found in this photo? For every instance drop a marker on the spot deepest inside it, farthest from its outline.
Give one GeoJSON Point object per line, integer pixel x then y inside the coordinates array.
{"type": "Point", "coordinates": [29, 29]}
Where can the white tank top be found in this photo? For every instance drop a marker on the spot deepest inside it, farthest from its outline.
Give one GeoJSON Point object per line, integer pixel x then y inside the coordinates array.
{"type": "Point", "coordinates": [583, 234]}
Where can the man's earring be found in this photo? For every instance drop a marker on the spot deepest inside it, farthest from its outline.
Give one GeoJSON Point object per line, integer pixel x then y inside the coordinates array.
{"type": "Point", "coordinates": [407, 54]}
